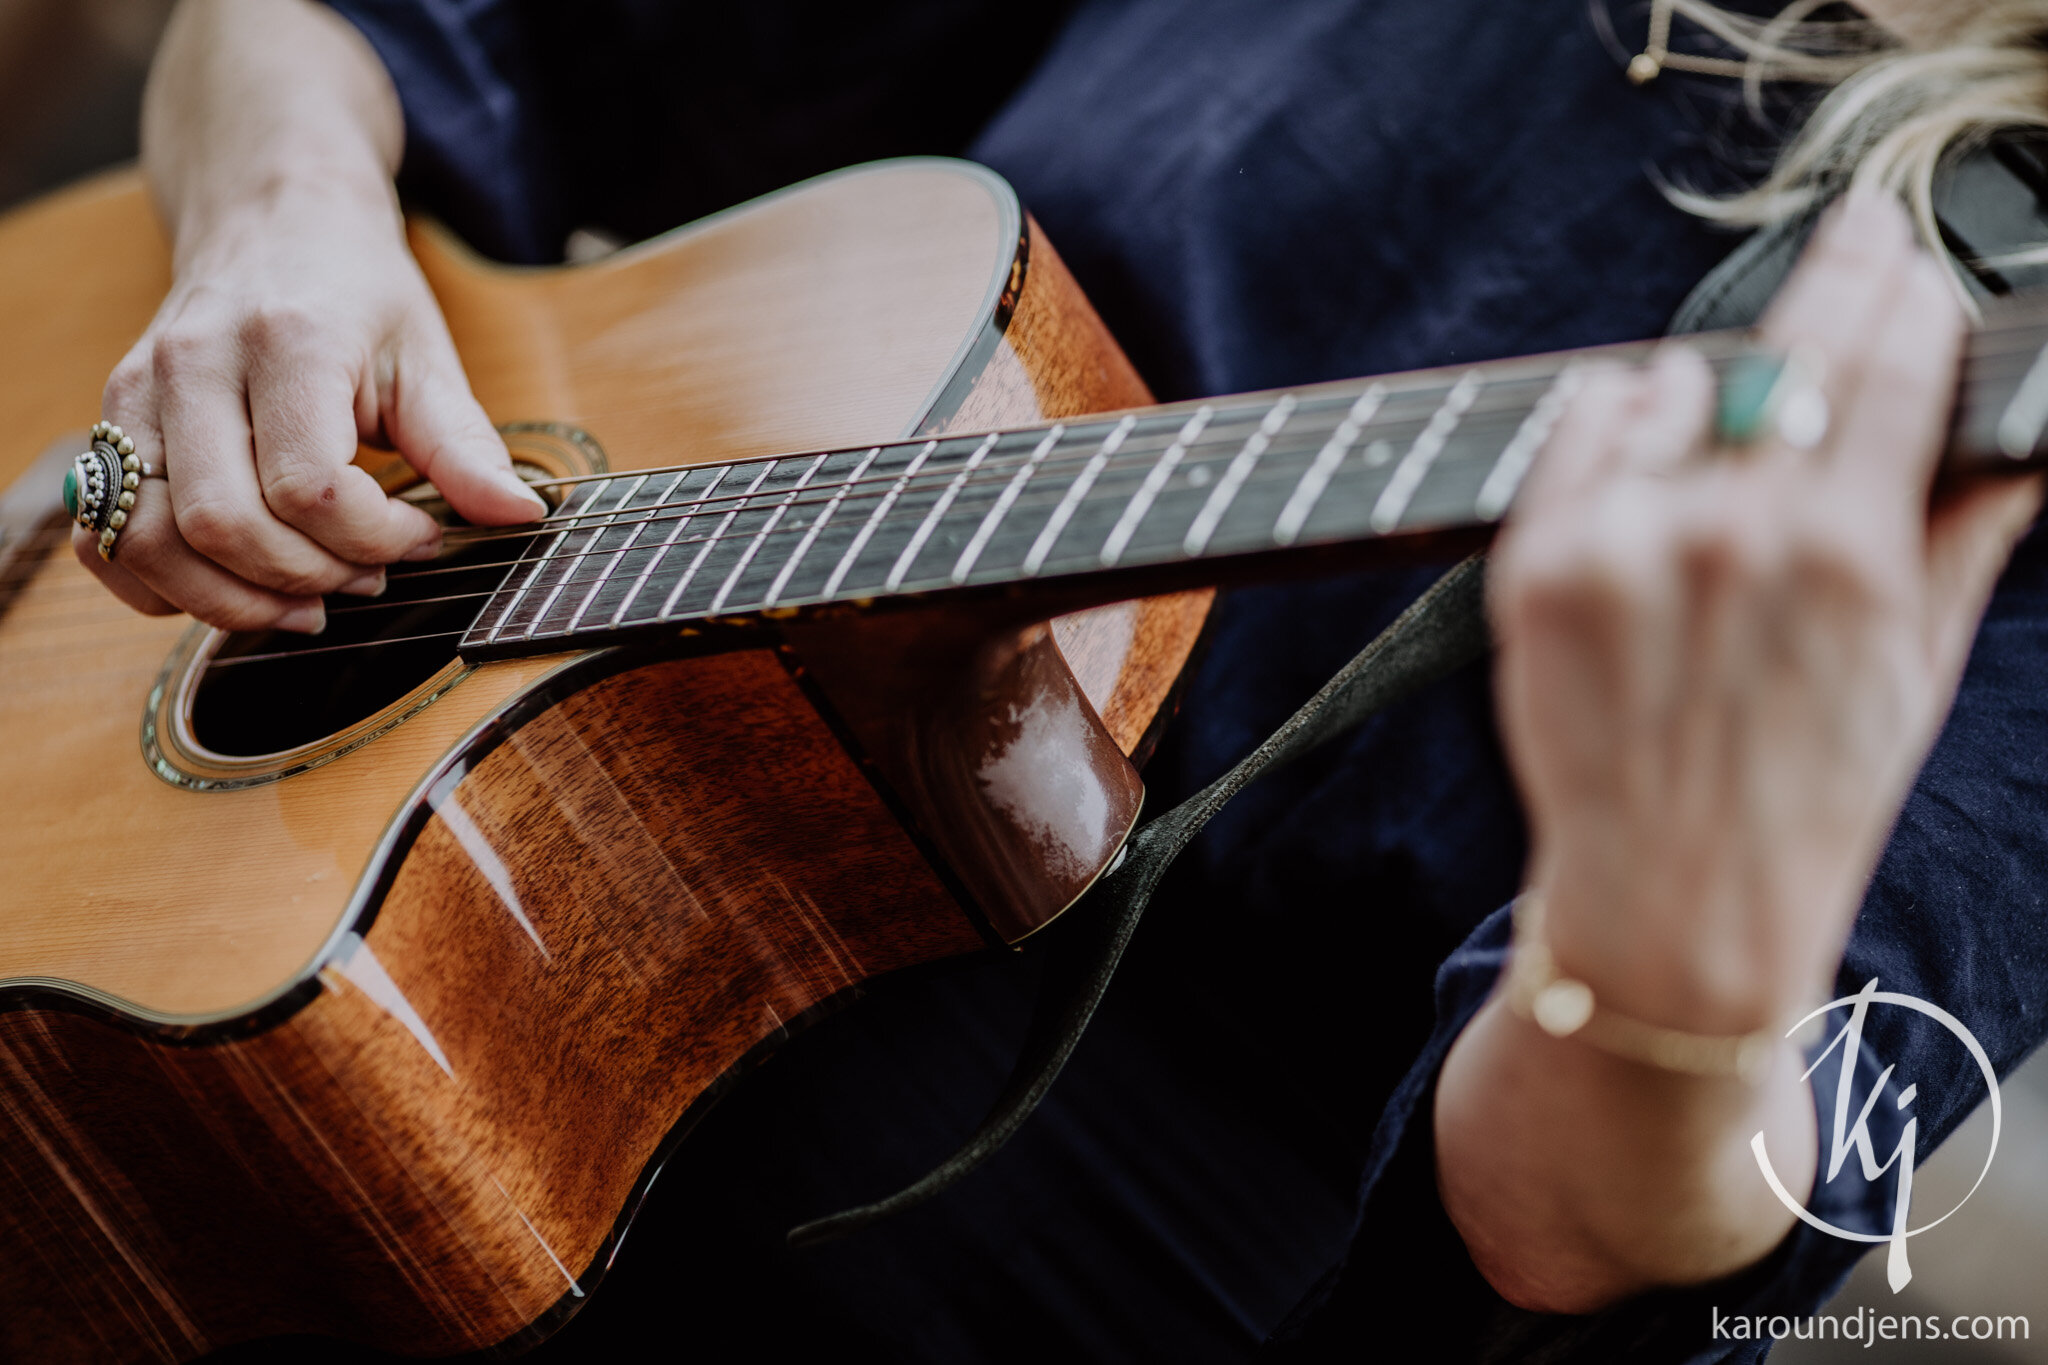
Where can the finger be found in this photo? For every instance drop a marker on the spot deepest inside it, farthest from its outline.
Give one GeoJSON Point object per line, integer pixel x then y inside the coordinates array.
{"type": "Point", "coordinates": [208, 453]}
{"type": "Point", "coordinates": [152, 555]}
{"type": "Point", "coordinates": [1673, 412]}
{"type": "Point", "coordinates": [436, 423]}
{"type": "Point", "coordinates": [115, 578]}
{"type": "Point", "coordinates": [1892, 426]}
{"type": "Point", "coordinates": [1970, 535]}
{"type": "Point", "coordinates": [302, 409]}
{"type": "Point", "coordinates": [1586, 443]}
{"type": "Point", "coordinates": [1836, 293]}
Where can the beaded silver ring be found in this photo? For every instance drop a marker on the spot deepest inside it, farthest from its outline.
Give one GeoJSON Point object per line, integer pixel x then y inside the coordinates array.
{"type": "Point", "coordinates": [100, 486]}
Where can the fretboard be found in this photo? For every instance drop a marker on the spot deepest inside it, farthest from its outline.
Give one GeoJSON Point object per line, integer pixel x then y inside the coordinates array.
{"type": "Point", "coordinates": [1181, 485]}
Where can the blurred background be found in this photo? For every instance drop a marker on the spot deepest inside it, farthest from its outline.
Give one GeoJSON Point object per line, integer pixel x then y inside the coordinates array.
{"type": "Point", "coordinates": [71, 74]}
{"type": "Point", "coordinates": [70, 86]}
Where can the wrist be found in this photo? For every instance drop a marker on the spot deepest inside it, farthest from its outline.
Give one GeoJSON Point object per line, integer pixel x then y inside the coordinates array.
{"type": "Point", "coordinates": [1536, 991]}
{"type": "Point", "coordinates": [309, 198]}
{"type": "Point", "coordinates": [1620, 1176]}
{"type": "Point", "coordinates": [1716, 956]}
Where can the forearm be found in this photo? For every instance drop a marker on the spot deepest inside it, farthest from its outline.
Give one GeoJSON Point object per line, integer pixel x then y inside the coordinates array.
{"type": "Point", "coordinates": [1577, 1178]}
{"type": "Point", "coordinates": [253, 103]}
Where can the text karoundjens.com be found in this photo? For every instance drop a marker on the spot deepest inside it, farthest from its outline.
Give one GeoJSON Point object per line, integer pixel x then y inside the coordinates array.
{"type": "Point", "coordinates": [1867, 1327]}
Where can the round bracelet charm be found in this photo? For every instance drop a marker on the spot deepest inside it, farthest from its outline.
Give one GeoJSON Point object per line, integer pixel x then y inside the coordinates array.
{"type": "Point", "coordinates": [100, 486]}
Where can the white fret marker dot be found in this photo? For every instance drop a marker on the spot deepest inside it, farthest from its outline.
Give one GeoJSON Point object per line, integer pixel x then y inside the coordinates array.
{"type": "Point", "coordinates": [1378, 453]}
{"type": "Point", "coordinates": [1199, 476]}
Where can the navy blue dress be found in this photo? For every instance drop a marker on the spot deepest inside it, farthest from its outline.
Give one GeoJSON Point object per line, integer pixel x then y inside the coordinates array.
{"type": "Point", "coordinates": [1254, 194]}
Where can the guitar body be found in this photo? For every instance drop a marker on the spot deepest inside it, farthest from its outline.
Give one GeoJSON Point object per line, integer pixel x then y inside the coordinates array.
{"type": "Point", "coordinates": [381, 1036]}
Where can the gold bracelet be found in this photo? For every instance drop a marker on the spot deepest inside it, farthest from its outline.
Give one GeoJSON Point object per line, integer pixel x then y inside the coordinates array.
{"type": "Point", "coordinates": [1564, 1008]}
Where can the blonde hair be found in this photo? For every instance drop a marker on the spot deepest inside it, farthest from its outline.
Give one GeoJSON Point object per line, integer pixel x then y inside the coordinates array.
{"type": "Point", "coordinates": [1893, 112]}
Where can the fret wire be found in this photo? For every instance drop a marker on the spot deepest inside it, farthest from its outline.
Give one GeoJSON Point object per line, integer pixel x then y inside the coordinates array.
{"type": "Point", "coordinates": [1155, 479]}
{"type": "Point", "coordinates": [816, 527]}
{"type": "Point", "coordinates": [1979, 354]}
{"type": "Point", "coordinates": [1509, 468]}
{"type": "Point", "coordinates": [596, 534]}
{"type": "Point", "coordinates": [1076, 491]}
{"type": "Point", "coordinates": [1004, 502]}
{"type": "Point", "coordinates": [867, 528]}
{"type": "Point", "coordinates": [654, 561]}
{"type": "Point", "coordinates": [767, 526]}
{"type": "Point", "coordinates": [1237, 471]}
{"type": "Point", "coordinates": [1323, 468]}
{"type": "Point", "coordinates": [539, 566]}
{"type": "Point", "coordinates": [938, 510]}
{"type": "Point", "coordinates": [1096, 475]}
{"type": "Point", "coordinates": [713, 539]}
{"type": "Point", "coordinates": [668, 604]}
{"type": "Point", "coordinates": [1114, 469]}
{"type": "Point", "coordinates": [1408, 475]}
{"type": "Point", "coordinates": [2026, 413]}
{"type": "Point", "coordinates": [618, 557]}
{"type": "Point", "coordinates": [698, 504]}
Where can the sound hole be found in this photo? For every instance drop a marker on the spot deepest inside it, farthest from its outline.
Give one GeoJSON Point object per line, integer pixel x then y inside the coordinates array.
{"type": "Point", "coordinates": [267, 692]}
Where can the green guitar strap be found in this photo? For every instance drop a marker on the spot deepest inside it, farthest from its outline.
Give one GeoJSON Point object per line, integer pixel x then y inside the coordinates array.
{"type": "Point", "coordinates": [1987, 204]}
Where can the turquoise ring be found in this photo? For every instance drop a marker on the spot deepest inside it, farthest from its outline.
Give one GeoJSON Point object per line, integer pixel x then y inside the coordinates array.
{"type": "Point", "coordinates": [1771, 394]}
{"type": "Point", "coordinates": [101, 484]}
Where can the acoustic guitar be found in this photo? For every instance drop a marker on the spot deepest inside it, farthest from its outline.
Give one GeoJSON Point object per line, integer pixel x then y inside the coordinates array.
{"type": "Point", "coordinates": [309, 944]}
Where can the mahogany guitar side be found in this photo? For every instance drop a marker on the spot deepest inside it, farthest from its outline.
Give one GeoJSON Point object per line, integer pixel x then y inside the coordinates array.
{"type": "Point", "coordinates": [295, 1055]}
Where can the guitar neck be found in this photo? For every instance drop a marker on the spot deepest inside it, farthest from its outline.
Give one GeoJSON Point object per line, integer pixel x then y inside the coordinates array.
{"type": "Point", "coordinates": [1111, 505]}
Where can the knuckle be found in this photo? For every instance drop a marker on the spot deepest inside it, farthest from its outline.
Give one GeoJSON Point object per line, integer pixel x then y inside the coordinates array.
{"type": "Point", "coordinates": [145, 545]}
{"type": "Point", "coordinates": [1724, 553]}
{"type": "Point", "coordinates": [239, 615]}
{"type": "Point", "coordinates": [126, 386]}
{"type": "Point", "coordinates": [180, 353]}
{"type": "Point", "coordinates": [301, 494]}
{"type": "Point", "coordinates": [1568, 577]}
{"type": "Point", "coordinates": [280, 327]}
{"type": "Point", "coordinates": [1904, 367]}
{"type": "Point", "coordinates": [213, 528]}
{"type": "Point", "coordinates": [1839, 566]}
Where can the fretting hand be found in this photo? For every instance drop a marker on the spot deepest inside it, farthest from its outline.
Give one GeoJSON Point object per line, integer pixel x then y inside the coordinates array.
{"type": "Point", "coordinates": [1718, 673]}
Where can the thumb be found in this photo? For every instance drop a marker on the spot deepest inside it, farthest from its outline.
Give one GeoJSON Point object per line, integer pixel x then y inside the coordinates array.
{"type": "Point", "coordinates": [1970, 535]}
{"type": "Point", "coordinates": [440, 429]}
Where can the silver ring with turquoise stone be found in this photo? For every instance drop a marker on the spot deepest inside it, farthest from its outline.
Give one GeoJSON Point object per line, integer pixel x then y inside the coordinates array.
{"type": "Point", "coordinates": [1771, 394]}
{"type": "Point", "coordinates": [100, 486]}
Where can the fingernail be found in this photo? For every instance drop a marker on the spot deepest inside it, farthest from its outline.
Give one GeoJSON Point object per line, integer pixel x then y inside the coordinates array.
{"type": "Point", "coordinates": [513, 483]}
{"type": "Point", "coordinates": [370, 584]}
{"type": "Point", "coordinates": [426, 549]}
{"type": "Point", "coordinates": [309, 619]}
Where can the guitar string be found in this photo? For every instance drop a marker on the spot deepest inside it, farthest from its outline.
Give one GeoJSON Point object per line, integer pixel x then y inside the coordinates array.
{"type": "Point", "coordinates": [1271, 474]}
{"type": "Point", "coordinates": [709, 505]}
{"type": "Point", "coordinates": [1244, 411]}
{"type": "Point", "coordinates": [767, 501]}
{"type": "Point", "coordinates": [1237, 411]}
{"type": "Point", "coordinates": [276, 655]}
{"type": "Point", "coordinates": [1129, 461]}
{"type": "Point", "coordinates": [1733, 344]}
{"type": "Point", "coordinates": [575, 560]}
{"type": "Point", "coordinates": [1122, 466]}
{"type": "Point", "coordinates": [1077, 451]}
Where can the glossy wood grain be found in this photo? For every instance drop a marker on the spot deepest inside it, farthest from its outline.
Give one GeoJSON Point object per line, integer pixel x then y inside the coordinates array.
{"type": "Point", "coordinates": [831, 313]}
{"type": "Point", "coordinates": [551, 914]}
{"type": "Point", "coordinates": [602, 920]}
